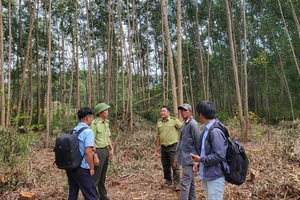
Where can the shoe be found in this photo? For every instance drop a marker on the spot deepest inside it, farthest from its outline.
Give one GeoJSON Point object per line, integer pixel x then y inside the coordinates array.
{"type": "Point", "coordinates": [177, 189]}
{"type": "Point", "coordinates": [168, 182]}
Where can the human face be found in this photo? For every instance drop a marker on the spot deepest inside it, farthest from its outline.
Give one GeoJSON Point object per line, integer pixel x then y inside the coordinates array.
{"type": "Point", "coordinates": [104, 114]}
{"type": "Point", "coordinates": [185, 114]}
{"type": "Point", "coordinates": [89, 119]}
{"type": "Point", "coordinates": [164, 113]}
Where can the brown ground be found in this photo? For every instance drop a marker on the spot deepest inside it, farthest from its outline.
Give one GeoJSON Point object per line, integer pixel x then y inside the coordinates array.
{"type": "Point", "coordinates": [135, 172]}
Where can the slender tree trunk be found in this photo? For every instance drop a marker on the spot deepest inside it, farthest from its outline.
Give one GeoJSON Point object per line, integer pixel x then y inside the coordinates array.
{"type": "Point", "coordinates": [201, 54]}
{"type": "Point", "coordinates": [2, 89]}
{"type": "Point", "coordinates": [245, 73]}
{"type": "Point", "coordinates": [30, 104]}
{"type": "Point", "coordinates": [121, 35]}
{"type": "Point", "coordinates": [72, 76]}
{"type": "Point", "coordinates": [179, 54]}
{"type": "Point", "coordinates": [289, 37]}
{"type": "Point", "coordinates": [89, 87]}
{"type": "Point", "coordinates": [170, 58]}
{"type": "Point", "coordinates": [295, 18]}
{"type": "Point", "coordinates": [38, 68]}
{"type": "Point", "coordinates": [64, 88]}
{"type": "Point", "coordinates": [9, 65]}
{"type": "Point", "coordinates": [235, 69]}
{"type": "Point", "coordinates": [286, 86]}
{"type": "Point", "coordinates": [24, 67]}
{"type": "Point", "coordinates": [109, 56]}
{"type": "Point", "coordinates": [48, 118]}
{"type": "Point", "coordinates": [209, 4]}
{"type": "Point", "coordinates": [147, 55]}
{"type": "Point", "coordinates": [163, 60]}
{"type": "Point", "coordinates": [78, 103]}
{"type": "Point", "coordinates": [129, 72]}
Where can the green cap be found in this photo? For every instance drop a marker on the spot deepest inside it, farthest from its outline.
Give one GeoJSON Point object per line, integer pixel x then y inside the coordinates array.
{"type": "Point", "coordinates": [101, 107]}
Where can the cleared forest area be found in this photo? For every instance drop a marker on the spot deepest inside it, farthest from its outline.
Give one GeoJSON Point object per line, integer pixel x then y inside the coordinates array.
{"type": "Point", "coordinates": [135, 173]}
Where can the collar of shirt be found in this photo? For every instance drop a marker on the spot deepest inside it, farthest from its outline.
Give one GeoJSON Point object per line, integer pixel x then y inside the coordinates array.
{"type": "Point", "coordinates": [187, 121]}
{"type": "Point", "coordinates": [207, 126]}
{"type": "Point", "coordinates": [82, 124]}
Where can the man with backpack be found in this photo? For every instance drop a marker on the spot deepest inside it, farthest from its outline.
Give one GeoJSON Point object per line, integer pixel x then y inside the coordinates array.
{"type": "Point", "coordinates": [212, 160]}
{"type": "Point", "coordinates": [82, 177]}
{"type": "Point", "coordinates": [188, 143]}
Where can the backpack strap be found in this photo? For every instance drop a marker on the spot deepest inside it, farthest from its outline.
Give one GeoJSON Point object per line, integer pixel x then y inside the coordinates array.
{"type": "Point", "coordinates": [80, 130]}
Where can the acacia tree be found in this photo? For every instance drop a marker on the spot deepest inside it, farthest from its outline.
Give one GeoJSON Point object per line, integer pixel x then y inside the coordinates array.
{"type": "Point", "coordinates": [170, 57]}
{"type": "Point", "coordinates": [235, 70]}
{"type": "Point", "coordinates": [2, 100]}
{"type": "Point", "coordinates": [179, 54]}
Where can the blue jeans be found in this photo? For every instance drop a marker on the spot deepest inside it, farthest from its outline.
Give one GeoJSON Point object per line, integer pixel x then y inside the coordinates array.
{"type": "Point", "coordinates": [214, 189]}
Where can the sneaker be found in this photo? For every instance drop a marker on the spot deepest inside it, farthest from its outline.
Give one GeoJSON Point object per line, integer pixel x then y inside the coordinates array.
{"type": "Point", "coordinates": [177, 189]}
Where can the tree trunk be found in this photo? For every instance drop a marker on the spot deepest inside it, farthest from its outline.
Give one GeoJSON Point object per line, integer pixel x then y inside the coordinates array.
{"type": "Point", "coordinates": [289, 38]}
{"type": "Point", "coordinates": [24, 67]}
{"type": "Point", "coordinates": [286, 85]}
{"type": "Point", "coordinates": [121, 35]}
{"type": "Point", "coordinates": [245, 136]}
{"type": "Point", "coordinates": [179, 54]}
{"type": "Point", "coordinates": [170, 58]}
{"type": "Point", "coordinates": [89, 87]}
{"type": "Point", "coordinates": [201, 55]}
{"type": "Point", "coordinates": [295, 18]}
{"type": "Point", "coordinates": [109, 56]}
{"type": "Point", "coordinates": [235, 69]}
{"type": "Point", "coordinates": [129, 72]}
{"type": "Point", "coordinates": [38, 68]}
{"type": "Point", "coordinates": [2, 89]}
{"type": "Point", "coordinates": [78, 103]}
{"type": "Point", "coordinates": [9, 65]}
{"type": "Point", "coordinates": [48, 118]}
{"type": "Point", "coordinates": [209, 4]}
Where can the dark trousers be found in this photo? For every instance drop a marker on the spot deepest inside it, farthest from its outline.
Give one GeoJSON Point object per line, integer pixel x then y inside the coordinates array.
{"type": "Point", "coordinates": [81, 179]}
{"type": "Point", "coordinates": [100, 173]}
{"type": "Point", "coordinates": [167, 158]}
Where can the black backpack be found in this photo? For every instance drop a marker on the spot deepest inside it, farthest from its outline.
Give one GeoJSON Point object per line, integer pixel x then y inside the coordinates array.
{"type": "Point", "coordinates": [67, 153]}
{"type": "Point", "coordinates": [236, 157]}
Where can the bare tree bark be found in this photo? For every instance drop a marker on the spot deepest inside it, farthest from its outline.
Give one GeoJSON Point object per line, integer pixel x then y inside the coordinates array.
{"type": "Point", "coordinates": [121, 35]}
{"type": "Point", "coordinates": [163, 60]}
{"type": "Point", "coordinates": [78, 102]}
{"type": "Point", "coordinates": [89, 88]}
{"type": "Point", "coordinates": [48, 118]}
{"type": "Point", "coordinates": [109, 55]}
{"type": "Point", "coordinates": [38, 67]}
{"type": "Point", "coordinates": [201, 55]}
{"type": "Point", "coordinates": [170, 58]}
{"type": "Point", "coordinates": [245, 73]}
{"type": "Point", "coordinates": [2, 89]}
{"type": "Point", "coordinates": [179, 54]}
{"type": "Point", "coordinates": [129, 72]}
{"type": "Point", "coordinates": [235, 70]}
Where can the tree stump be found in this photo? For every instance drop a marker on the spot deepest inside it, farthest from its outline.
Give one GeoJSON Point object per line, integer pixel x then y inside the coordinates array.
{"type": "Point", "coordinates": [27, 196]}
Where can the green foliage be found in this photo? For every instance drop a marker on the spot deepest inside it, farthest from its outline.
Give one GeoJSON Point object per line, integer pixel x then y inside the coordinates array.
{"type": "Point", "coordinates": [14, 152]}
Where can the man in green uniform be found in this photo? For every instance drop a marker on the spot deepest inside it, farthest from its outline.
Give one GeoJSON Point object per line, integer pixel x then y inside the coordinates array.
{"type": "Point", "coordinates": [166, 143]}
{"type": "Point", "coordinates": [104, 148]}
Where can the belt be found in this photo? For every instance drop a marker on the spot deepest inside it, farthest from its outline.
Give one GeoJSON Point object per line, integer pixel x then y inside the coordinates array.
{"type": "Point", "coordinates": [170, 145]}
{"type": "Point", "coordinates": [103, 147]}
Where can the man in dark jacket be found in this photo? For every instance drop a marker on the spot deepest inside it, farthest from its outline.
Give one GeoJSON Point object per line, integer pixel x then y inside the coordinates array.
{"type": "Point", "coordinates": [188, 143]}
{"type": "Point", "coordinates": [212, 157]}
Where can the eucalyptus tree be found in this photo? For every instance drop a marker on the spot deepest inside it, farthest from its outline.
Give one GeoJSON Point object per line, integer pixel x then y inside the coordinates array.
{"type": "Point", "coordinates": [2, 100]}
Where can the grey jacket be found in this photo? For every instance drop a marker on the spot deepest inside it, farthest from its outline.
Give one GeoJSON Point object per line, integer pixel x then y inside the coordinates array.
{"type": "Point", "coordinates": [189, 142]}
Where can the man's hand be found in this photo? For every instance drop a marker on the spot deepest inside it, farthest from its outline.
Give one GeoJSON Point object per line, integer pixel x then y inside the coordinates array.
{"type": "Point", "coordinates": [196, 167]}
{"type": "Point", "coordinates": [111, 153]}
{"type": "Point", "coordinates": [175, 163]}
{"type": "Point", "coordinates": [195, 158]}
{"type": "Point", "coordinates": [158, 149]}
{"type": "Point", "coordinates": [96, 160]}
{"type": "Point", "coordinates": [92, 172]}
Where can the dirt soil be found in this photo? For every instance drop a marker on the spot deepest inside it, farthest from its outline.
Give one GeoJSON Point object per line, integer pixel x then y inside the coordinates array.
{"type": "Point", "coordinates": [135, 172]}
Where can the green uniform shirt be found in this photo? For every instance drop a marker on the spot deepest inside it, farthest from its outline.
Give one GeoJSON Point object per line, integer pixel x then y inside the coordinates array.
{"type": "Point", "coordinates": [101, 131]}
{"type": "Point", "coordinates": [168, 130]}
